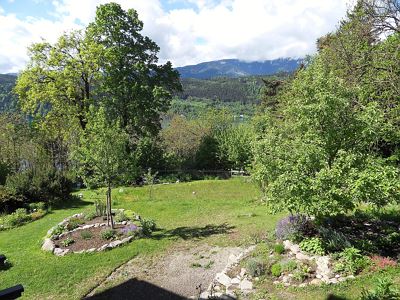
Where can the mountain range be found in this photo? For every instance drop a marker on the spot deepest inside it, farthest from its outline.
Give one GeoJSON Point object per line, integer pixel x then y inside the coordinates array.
{"type": "Point", "coordinates": [238, 68]}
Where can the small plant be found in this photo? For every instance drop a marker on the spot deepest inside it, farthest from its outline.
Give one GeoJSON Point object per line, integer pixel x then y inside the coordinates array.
{"type": "Point", "coordinates": [333, 240]}
{"type": "Point", "coordinates": [383, 291]}
{"type": "Point", "coordinates": [293, 227]}
{"type": "Point", "coordinates": [150, 180]}
{"type": "Point", "coordinates": [379, 262]}
{"type": "Point", "coordinates": [68, 241]}
{"type": "Point", "coordinates": [100, 207]}
{"type": "Point", "coordinates": [279, 248]}
{"type": "Point", "coordinates": [73, 223]}
{"type": "Point", "coordinates": [209, 265]}
{"type": "Point", "coordinates": [108, 234]}
{"type": "Point", "coordinates": [276, 269]}
{"type": "Point", "coordinates": [195, 265]}
{"type": "Point", "coordinates": [351, 261]}
{"type": "Point", "coordinates": [129, 230]}
{"type": "Point", "coordinates": [255, 267]}
{"type": "Point", "coordinates": [58, 230]}
{"type": "Point", "coordinates": [299, 275]}
{"type": "Point", "coordinates": [86, 234]}
{"type": "Point", "coordinates": [90, 215]}
{"type": "Point", "coordinates": [289, 266]}
{"type": "Point", "coordinates": [120, 216]}
{"type": "Point", "coordinates": [148, 226]}
{"type": "Point", "coordinates": [313, 245]}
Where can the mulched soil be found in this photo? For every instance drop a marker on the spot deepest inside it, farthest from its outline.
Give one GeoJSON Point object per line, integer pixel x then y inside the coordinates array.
{"type": "Point", "coordinates": [95, 242]}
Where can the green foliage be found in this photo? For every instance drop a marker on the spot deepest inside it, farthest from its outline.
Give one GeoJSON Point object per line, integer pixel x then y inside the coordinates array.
{"type": "Point", "coordinates": [90, 215]}
{"type": "Point", "coordinates": [384, 290]}
{"type": "Point", "coordinates": [148, 226]}
{"type": "Point", "coordinates": [17, 218]}
{"type": "Point", "coordinates": [108, 234]}
{"type": "Point", "coordinates": [86, 234]}
{"type": "Point", "coordinates": [255, 266]}
{"type": "Point", "coordinates": [9, 201]}
{"type": "Point", "coordinates": [351, 261]}
{"type": "Point", "coordinates": [276, 269]}
{"type": "Point", "coordinates": [289, 266]}
{"type": "Point", "coordinates": [121, 216]}
{"type": "Point", "coordinates": [150, 180]}
{"type": "Point", "coordinates": [58, 230]}
{"type": "Point", "coordinates": [279, 248]}
{"type": "Point", "coordinates": [73, 223]}
{"type": "Point", "coordinates": [313, 245]}
{"type": "Point", "coordinates": [100, 207]}
{"type": "Point", "coordinates": [333, 240]}
{"type": "Point", "coordinates": [67, 242]}
{"type": "Point", "coordinates": [37, 206]}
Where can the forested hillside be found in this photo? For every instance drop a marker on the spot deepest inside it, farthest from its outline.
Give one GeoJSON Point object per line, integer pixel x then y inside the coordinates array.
{"type": "Point", "coordinates": [8, 101]}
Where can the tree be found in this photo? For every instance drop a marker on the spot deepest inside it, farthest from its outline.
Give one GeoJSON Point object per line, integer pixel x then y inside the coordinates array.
{"type": "Point", "coordinates": [137, 88]}
{"type": "Point", "coordinates": [101, 153]}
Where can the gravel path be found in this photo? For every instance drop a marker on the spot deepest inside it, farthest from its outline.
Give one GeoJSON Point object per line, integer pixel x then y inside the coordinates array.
{"type": "Point", "coordinates": [178, 274]}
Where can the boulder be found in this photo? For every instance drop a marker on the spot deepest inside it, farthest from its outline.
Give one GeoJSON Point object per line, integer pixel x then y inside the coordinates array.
{"type": "Point", "coordinates": [223, 279]}
{"type": "Point", "coordinates": [115, 244]}
{"type": "Point", "coordinates": [302, 256]}
{"type": "Point", "coordinates": [48, 245]}
{"type": "Point", "coordinates": [235, 281]}
{"type": "Point", "coordinates": [287, 244]}
{"type": "Point", "coordinates": [60, 252]}
{"type": "Point", "coordinates": [316, 281]}
{"type": "Point", "coordinates": [246, 285]}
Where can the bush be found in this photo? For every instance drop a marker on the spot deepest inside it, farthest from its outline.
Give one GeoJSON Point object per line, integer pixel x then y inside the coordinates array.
{"type": "Point", "coordinates": [100, 207]}
{"type": "Point", "coordinates": [148, 226]}
{"type": "Point", "coordinates": [86, 234]}
{"type": "Point", "coordinates": [38, 214]}
{"type": "Point", "coordinates": [10, 201]}
{"type": "Point", "coordinates": [73, 223]}
{"type": "Point", "coordinates": [333, 240]}
{"type": "Point", "coordinates": [120, 217]}
{"type": "Point", "coordinates": [351, 261]}
{"type": "Point", "coordinates": [276, 270]}
{"type": "Point", "coordinates": [36, 206]}
{"type": "Point", "coordinates": [68, 241]}
{"type": "Point", "coordinates": [289, 266]}
{"type": "Point", "coordinates": [379, 262]}
{"type": "Point", "coordinates": [90, 215]}
{"type": "Point", "coordinates": [16, 218]}
{"type": "Point", "coordinates": [313, 245]}
{"type": "Point", "coordinates": [255, 267]}
{"type": "Point", "coordinates": [383, 291]}
{"type": "Point", "coordinates": [58, 230]}
{"type": "Point", "coordinates": [293, 227]}
{"type": "Point", "coordinates": [108, 234]}
{"type": "Point", "coordinates": [279, 248]}
{"type": "Point", "coordinates": [129, 230]}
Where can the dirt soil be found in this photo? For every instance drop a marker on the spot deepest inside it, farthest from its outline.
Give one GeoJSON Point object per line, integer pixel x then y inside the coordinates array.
{"type": "Point", "coordinates": [179, 274]}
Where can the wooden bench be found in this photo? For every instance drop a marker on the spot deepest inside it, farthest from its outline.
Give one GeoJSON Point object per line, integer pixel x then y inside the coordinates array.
{"type": "Point", "coordinates": [12, 292]}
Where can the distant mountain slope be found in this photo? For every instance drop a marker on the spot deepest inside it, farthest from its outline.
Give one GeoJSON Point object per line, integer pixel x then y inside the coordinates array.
{"type": "Point", "coordinates": [8, 100]}
{"type": "Point", "coordinates": [238, 68]}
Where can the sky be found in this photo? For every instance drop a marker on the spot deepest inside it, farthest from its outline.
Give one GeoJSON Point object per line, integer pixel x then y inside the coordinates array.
{"type": "Point", "coordinates": [187, 31]}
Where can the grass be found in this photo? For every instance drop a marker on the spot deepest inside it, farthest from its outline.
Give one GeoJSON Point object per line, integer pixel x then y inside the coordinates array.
{"type": "Point", "coordinates": [220, 213]}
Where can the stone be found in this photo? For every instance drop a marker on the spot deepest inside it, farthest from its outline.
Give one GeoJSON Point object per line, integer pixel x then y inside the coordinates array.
{"type": "Point", "coordinates": [276, 282]}
{"type": "Point", "coordinates": [337, 276]}
{"type": "Point", "coordinates": [91, 250]}
{"type": "Point", "coordinates": [287, 244]}
{"type": "Point", "coordinates": [48, 245]}
{"type": "Point", "coordinates": [301, 285]}
{"type": "Point", "coordinates": [235, 281]}
{"type": "Point", "coordinates": [315, 281]}
{"type": "Point", "coordinates": [232, 258]}
{"type": "Point", "coordinates": [87, 226]}
{"type": "Point", "coordinates": [351, 277]}
{"type": "Point", "coordinates": [257, 278]}
{"type": "Point", "coordinates": [223, 279]}
{"type": "Point", "coordinates": [102, 248]}
{"type": "Point", "coordinates": [285, 279]}
{"type": "Point", "coordinates": [295, 249]}
{"type": "Point", "coordinates": [301, 256]}
{"type": "Point", "coordinates": [124, 222]}
{"type": "Point", "coordinates": [231, 288]}
{"type": "Point", "coordinates": [246, 285]}
{"type": "Point", "coordinates": [242, 272]}
{"type": "Point", "coordinates": [319, 276]}
{"type": "Point", "coordinates": [127, 239]}
{"type": "Point", "coordinates": [204, 295]}
{"type": "Point", "coordinates": [114, 244]}
{"type": "Point", "coordinates": [333, 281]}
{"type": "Point", "coordinates": [60, 252]}
{"type": "Point", "coordinates": [341, 279]}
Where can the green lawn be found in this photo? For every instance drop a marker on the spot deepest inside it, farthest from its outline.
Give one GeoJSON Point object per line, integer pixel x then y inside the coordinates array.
{"type": "Point", "coordinates": [217, 212]}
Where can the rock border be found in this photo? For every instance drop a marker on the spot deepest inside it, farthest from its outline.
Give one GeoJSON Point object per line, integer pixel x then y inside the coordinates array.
{"type": "Point", "coordinates": [49, 246]}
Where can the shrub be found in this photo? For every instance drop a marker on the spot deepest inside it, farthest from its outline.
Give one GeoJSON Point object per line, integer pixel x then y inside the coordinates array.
{"type": "Point", "coordinates": [313, 245]}
{"type": "Point", "coordinates": [276, 270]}
{"type": "Point", "coordinates": [37, 206]}
{"type": "Point", "coordinates": [129, 230]}
{"type": "Point", "coordinates": [10, 201]}
{"type": "Point", "coordinates": [16, 218]}
{"type": "Point", "coordinates": [293, 227]}
{"type": "Point", "coordinates": [120, 217]}
{"type": "Point", "coordinates": [86, 234]}
{"type": "Point", "coordinates": [279, 248]}
{"type": "Point", "coordinates": [73, 223]}
{"type": "Point", "coordinates": [68, 241]}
{"type": "Point", "coordinates": [289, 266]}
{"type": "Point", "coordinates": [383, 290]}
{"type": "Point", "coordinates": [379, 262]}
{"type": "Point", "coordinates": [333, 240]}
{"type": "Point", "coordinates": [37, 214]}
{"type": "Point", "coordinates": [90, 215]}
{"type": "Point", "coordinates": [58, 230]}
{"type": "Point", "coordinates": [148, 226]}
{"type": "Point", "coordinates": [100, 207]}
{"type": "Point", "coordinates": [108, 234]}
{"type": "Point", "coordinates": [351, 261]}
{"type": "Point", "coordinates": [255, 266]}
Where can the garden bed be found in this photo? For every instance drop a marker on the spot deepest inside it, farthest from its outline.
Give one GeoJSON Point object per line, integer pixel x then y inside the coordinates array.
{"type": "Point", "coordinates": [21, 216]}
{"type": "Point", "coordinates": [81, 233]}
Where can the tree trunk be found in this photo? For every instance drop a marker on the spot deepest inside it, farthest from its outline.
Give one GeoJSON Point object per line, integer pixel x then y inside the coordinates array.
{"type": "Point", "coordinates": [109, 204]}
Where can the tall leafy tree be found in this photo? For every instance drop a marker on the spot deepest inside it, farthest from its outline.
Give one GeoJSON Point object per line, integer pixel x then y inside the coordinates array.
{"type": "Point", "coordinates": [138, 89]}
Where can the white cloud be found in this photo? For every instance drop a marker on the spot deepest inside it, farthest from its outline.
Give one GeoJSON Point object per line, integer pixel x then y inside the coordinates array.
{"type": "Point", "coordinates": [244, 29]}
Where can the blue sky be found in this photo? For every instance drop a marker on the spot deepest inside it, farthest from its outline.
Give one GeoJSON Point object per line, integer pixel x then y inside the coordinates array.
{"type": "Point", "coordinates": [187, 31]}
